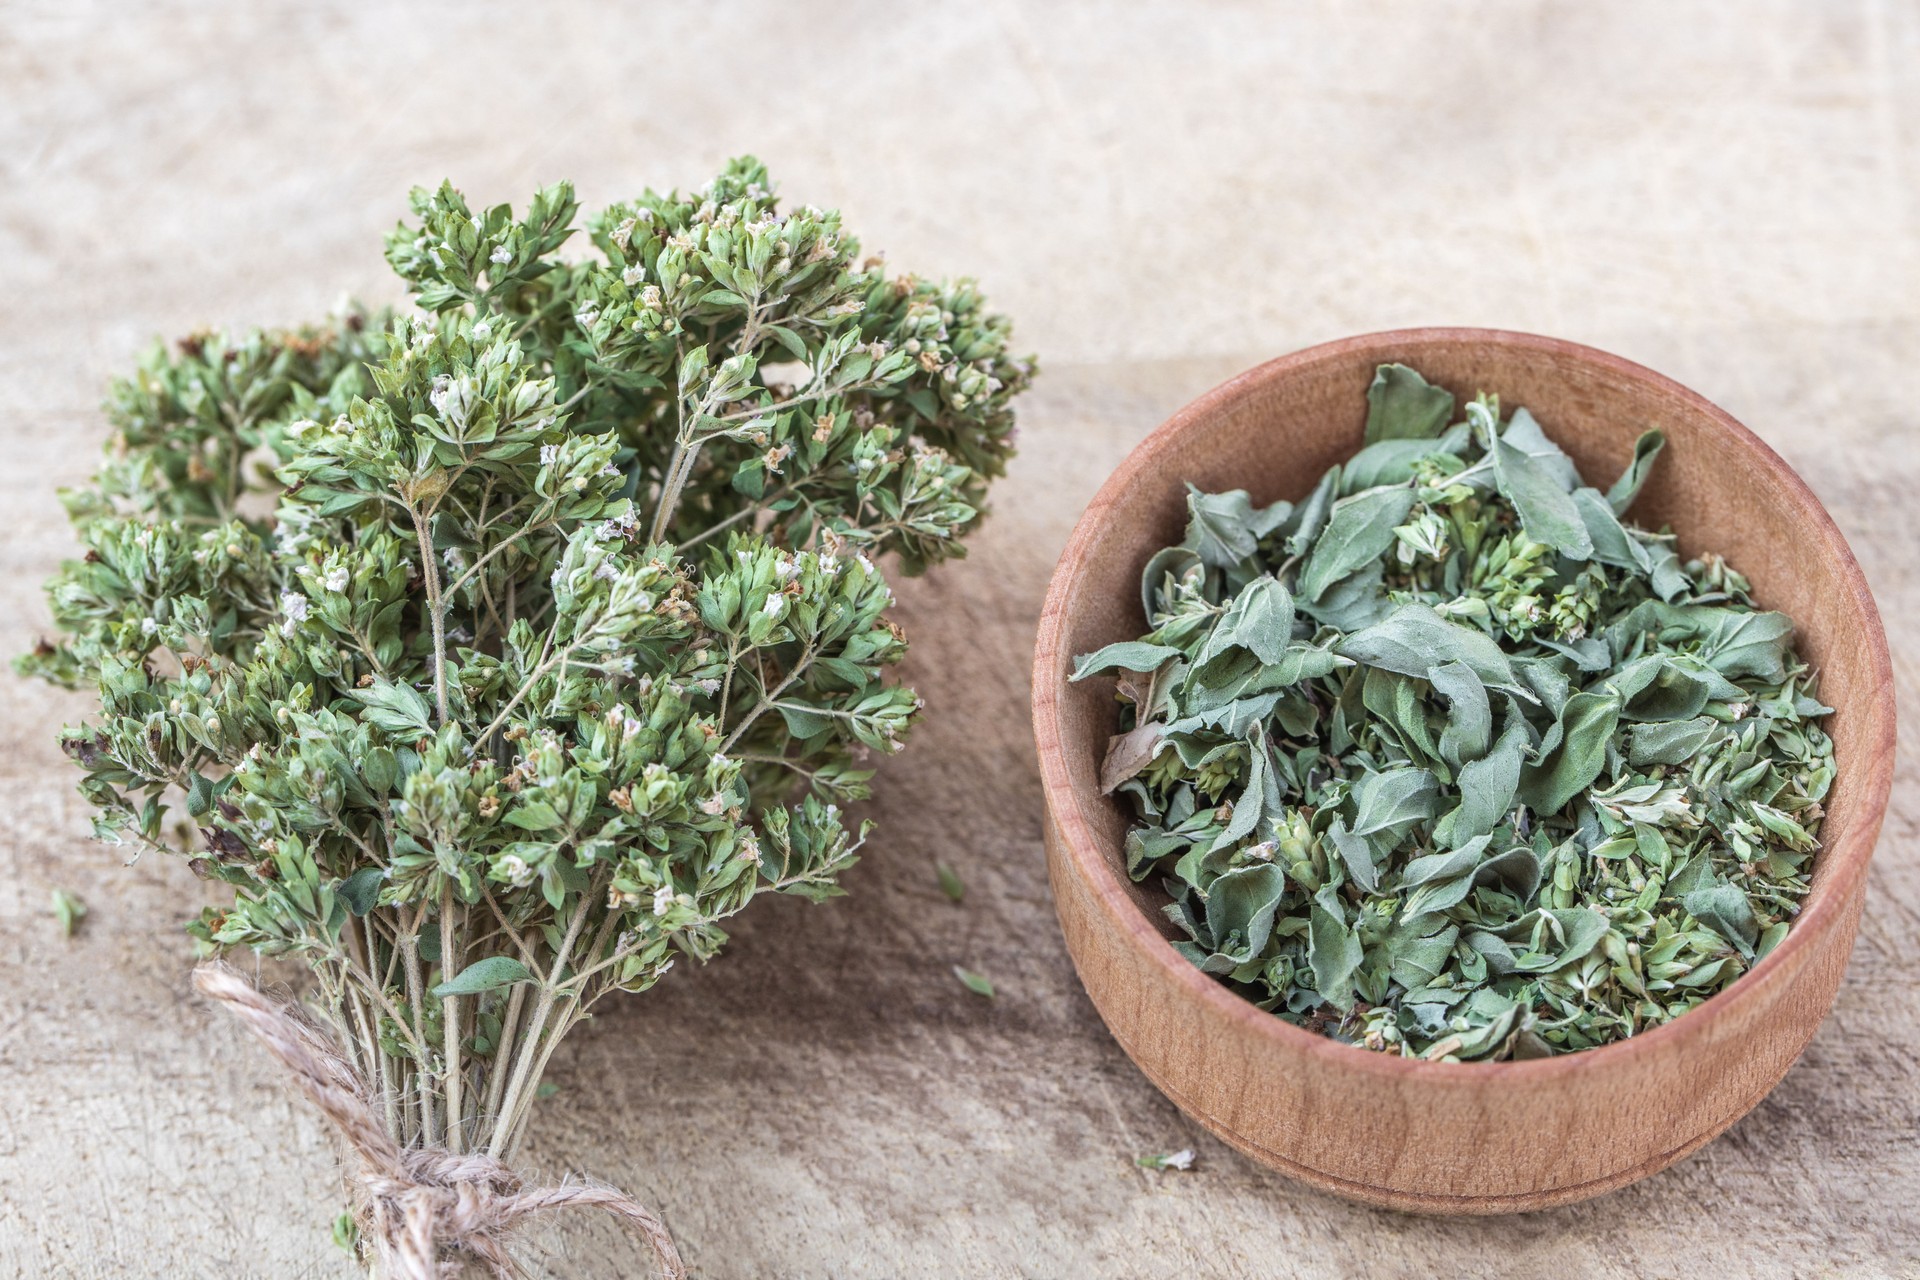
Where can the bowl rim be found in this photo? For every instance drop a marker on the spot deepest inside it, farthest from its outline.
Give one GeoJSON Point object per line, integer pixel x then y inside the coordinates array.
{"type": "Point", "coordinates": [1066, 803]}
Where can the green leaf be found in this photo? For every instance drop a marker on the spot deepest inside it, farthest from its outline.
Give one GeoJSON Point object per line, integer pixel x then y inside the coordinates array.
{"type": "Point", "coordinates": [1735, 642]}
{"type": "Point", "coordinates": [1674, 742]}
{"type": "Point", "coordinates": [1334, 952]}
{"type": "Point", "coordinates": [1174, 562]}
{"type": "Point", "coordinates": [950, 882]}
{"type": "Point", "coordinates": [1354, 602]}
{"type": "Point", "coordinates": [1585, 730]}
{"type": "Point", "coordinates": [200, 794]}
{"type": "Point", "coordinates": [69, 910]}
{"type": "Point", "coordinates": [1309, 519]}
{"type": "Point", "coordinates": [1414, 641]}
{"type": "Point", "coordinates": [1564, 937]}
{"type": "Point", "coordinates": [361, 890]}
{"type": "Point", "coordinates": [1403, 405]}
{"type": "Point", "coordinates": [1128, 655]}
{"type": "Point", "coordinates": [1634, 478]}
{"type": "Point", "coordinates": [1488, 788]}
{"type": "Point", "coordinates": [1612, 544]}
{"type": "Point", "coordinates": [534, 815]}
{"type": "Point", "coordinates": [1469, 730]}
{"type": "Point", "coordinates": [977, 983]}
{"type": "Point", "coordinates": [1240, 908]}
{"type": "Point", "coordinates": [1260, 620]}
{"type": "Point", "coordinates": [1547, 510]}
{"type": "Point", "coordinates": [1359, 531]}
{"type": "Point", "coordinates": [1726, 910]}
{"type": "Point", "coordinates": [1180, 1160]}
{"type": "Point", "coordinates": [1389, 462]}
{"type": "Point", "coordinates": [489, 974]}
{"type": "Point", "coordinates": [397, 708]}
{"type": "Point", "coordinates": [1386, 806]}
{"type": "Point", "coordinates": [1225, 528]}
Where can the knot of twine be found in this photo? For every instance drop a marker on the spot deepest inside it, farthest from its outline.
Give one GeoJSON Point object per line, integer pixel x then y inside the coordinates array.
{"type": "Point", "coordinates": [419, 1202]}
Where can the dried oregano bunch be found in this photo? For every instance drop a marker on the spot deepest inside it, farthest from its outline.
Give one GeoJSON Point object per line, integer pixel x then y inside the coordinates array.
{"type": "Point", "coordinates": [501, 649]}
{"type": "Point", "coordinates": [1448, 761]}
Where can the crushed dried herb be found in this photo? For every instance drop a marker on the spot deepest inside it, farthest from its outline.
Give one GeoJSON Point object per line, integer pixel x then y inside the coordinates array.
{"type": "Point", "coordinates": [1446, 760]}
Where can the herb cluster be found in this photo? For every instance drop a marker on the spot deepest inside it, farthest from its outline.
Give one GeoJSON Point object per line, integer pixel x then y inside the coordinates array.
{"type": "Point", "coordinates": [1448, 761]}
{"type": "Point", "coordinates": [501, 648]}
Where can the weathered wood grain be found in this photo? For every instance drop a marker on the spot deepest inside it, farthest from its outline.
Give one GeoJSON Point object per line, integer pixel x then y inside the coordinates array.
{"type": "Point", "coordinates": [1161, 197]}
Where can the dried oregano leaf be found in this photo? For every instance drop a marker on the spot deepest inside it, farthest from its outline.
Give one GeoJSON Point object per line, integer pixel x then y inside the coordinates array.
{"type": "Point", "coordinates": [1448, 761]}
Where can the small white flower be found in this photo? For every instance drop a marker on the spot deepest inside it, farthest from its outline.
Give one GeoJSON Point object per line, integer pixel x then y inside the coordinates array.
{"type": "Point", "coordinates": [611, 470]}
{"type": "Point", "coordinates": [606, 572]}
{"type": "Point", "coordinates": [629, 726]}
{"type": "Point", "coordinates": [148, 626]}
{"type": "Point", "coordinates": [336, 579]}
{"type": "Point", "coordinates": [500, 254]}
{"type": "Point", "coordinates": [548, 452]}
{"type": "Point", "coordinates": [829, 564]}
{"type": "Point", "coordinates": [774, 605]}
{"type": "Point", "coordinates": [787, 568]}
{"type": "Point", "coordinates": [516, 870]}
{"type": "Point", "coordinates": [585, 316]}
{"type": "Point", "coordinates": [294, 606]}
{"type": "Point", "coordinates": [482, 330]}
{"type": "Point", "coordinates": [634, 274]}
{"type": "Point", "coordinates": [708, 687]}
{"type": "Point", "coordinates": [714, 805]}
{"type": "Point", "coordinates": [663, 900]}
{"type": "Point", "coordinates": [618, 527]}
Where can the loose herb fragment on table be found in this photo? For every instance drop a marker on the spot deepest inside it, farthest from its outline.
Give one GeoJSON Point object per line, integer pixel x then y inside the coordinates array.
{"type": "Point", "coordinates": [1447, 760]}
{"type": "Point", "coordinates": [978, 983]}
{"type": "Point", "coordinates": [69, 911]}
{"type": "Point", "coordinates": [1181, 1161]}
{"type": "Point", "coordinates": [950, 882]}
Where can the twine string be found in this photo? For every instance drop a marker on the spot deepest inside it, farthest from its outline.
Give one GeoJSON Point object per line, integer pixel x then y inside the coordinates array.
{"type": "Point", "coordinates": [420, 1203]}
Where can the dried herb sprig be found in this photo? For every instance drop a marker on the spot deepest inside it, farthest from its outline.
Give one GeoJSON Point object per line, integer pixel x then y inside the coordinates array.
{"type": "Point", "coordinates": [503, 648]}
{"type": "Point", "coordinates": [1448, 761]}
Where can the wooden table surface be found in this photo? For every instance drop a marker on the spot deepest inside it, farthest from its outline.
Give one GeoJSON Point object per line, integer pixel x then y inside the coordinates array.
{"type": "Point", "coordinates": [1161, 197]}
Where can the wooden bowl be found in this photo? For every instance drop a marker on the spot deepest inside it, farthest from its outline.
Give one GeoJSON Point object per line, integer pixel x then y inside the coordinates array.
{"type": "Point", "coordinates": [1456, 1138]}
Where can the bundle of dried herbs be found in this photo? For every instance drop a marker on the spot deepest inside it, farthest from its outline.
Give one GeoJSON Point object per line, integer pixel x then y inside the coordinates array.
{"type": "Point", "coordinates": [1448, 761]}
{"type": "Point", "coordinates": [501, 648]}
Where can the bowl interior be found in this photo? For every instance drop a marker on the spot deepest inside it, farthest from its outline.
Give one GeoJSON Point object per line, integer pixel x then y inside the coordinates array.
{"type": "Point", "coordinates": [1276, 429]}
